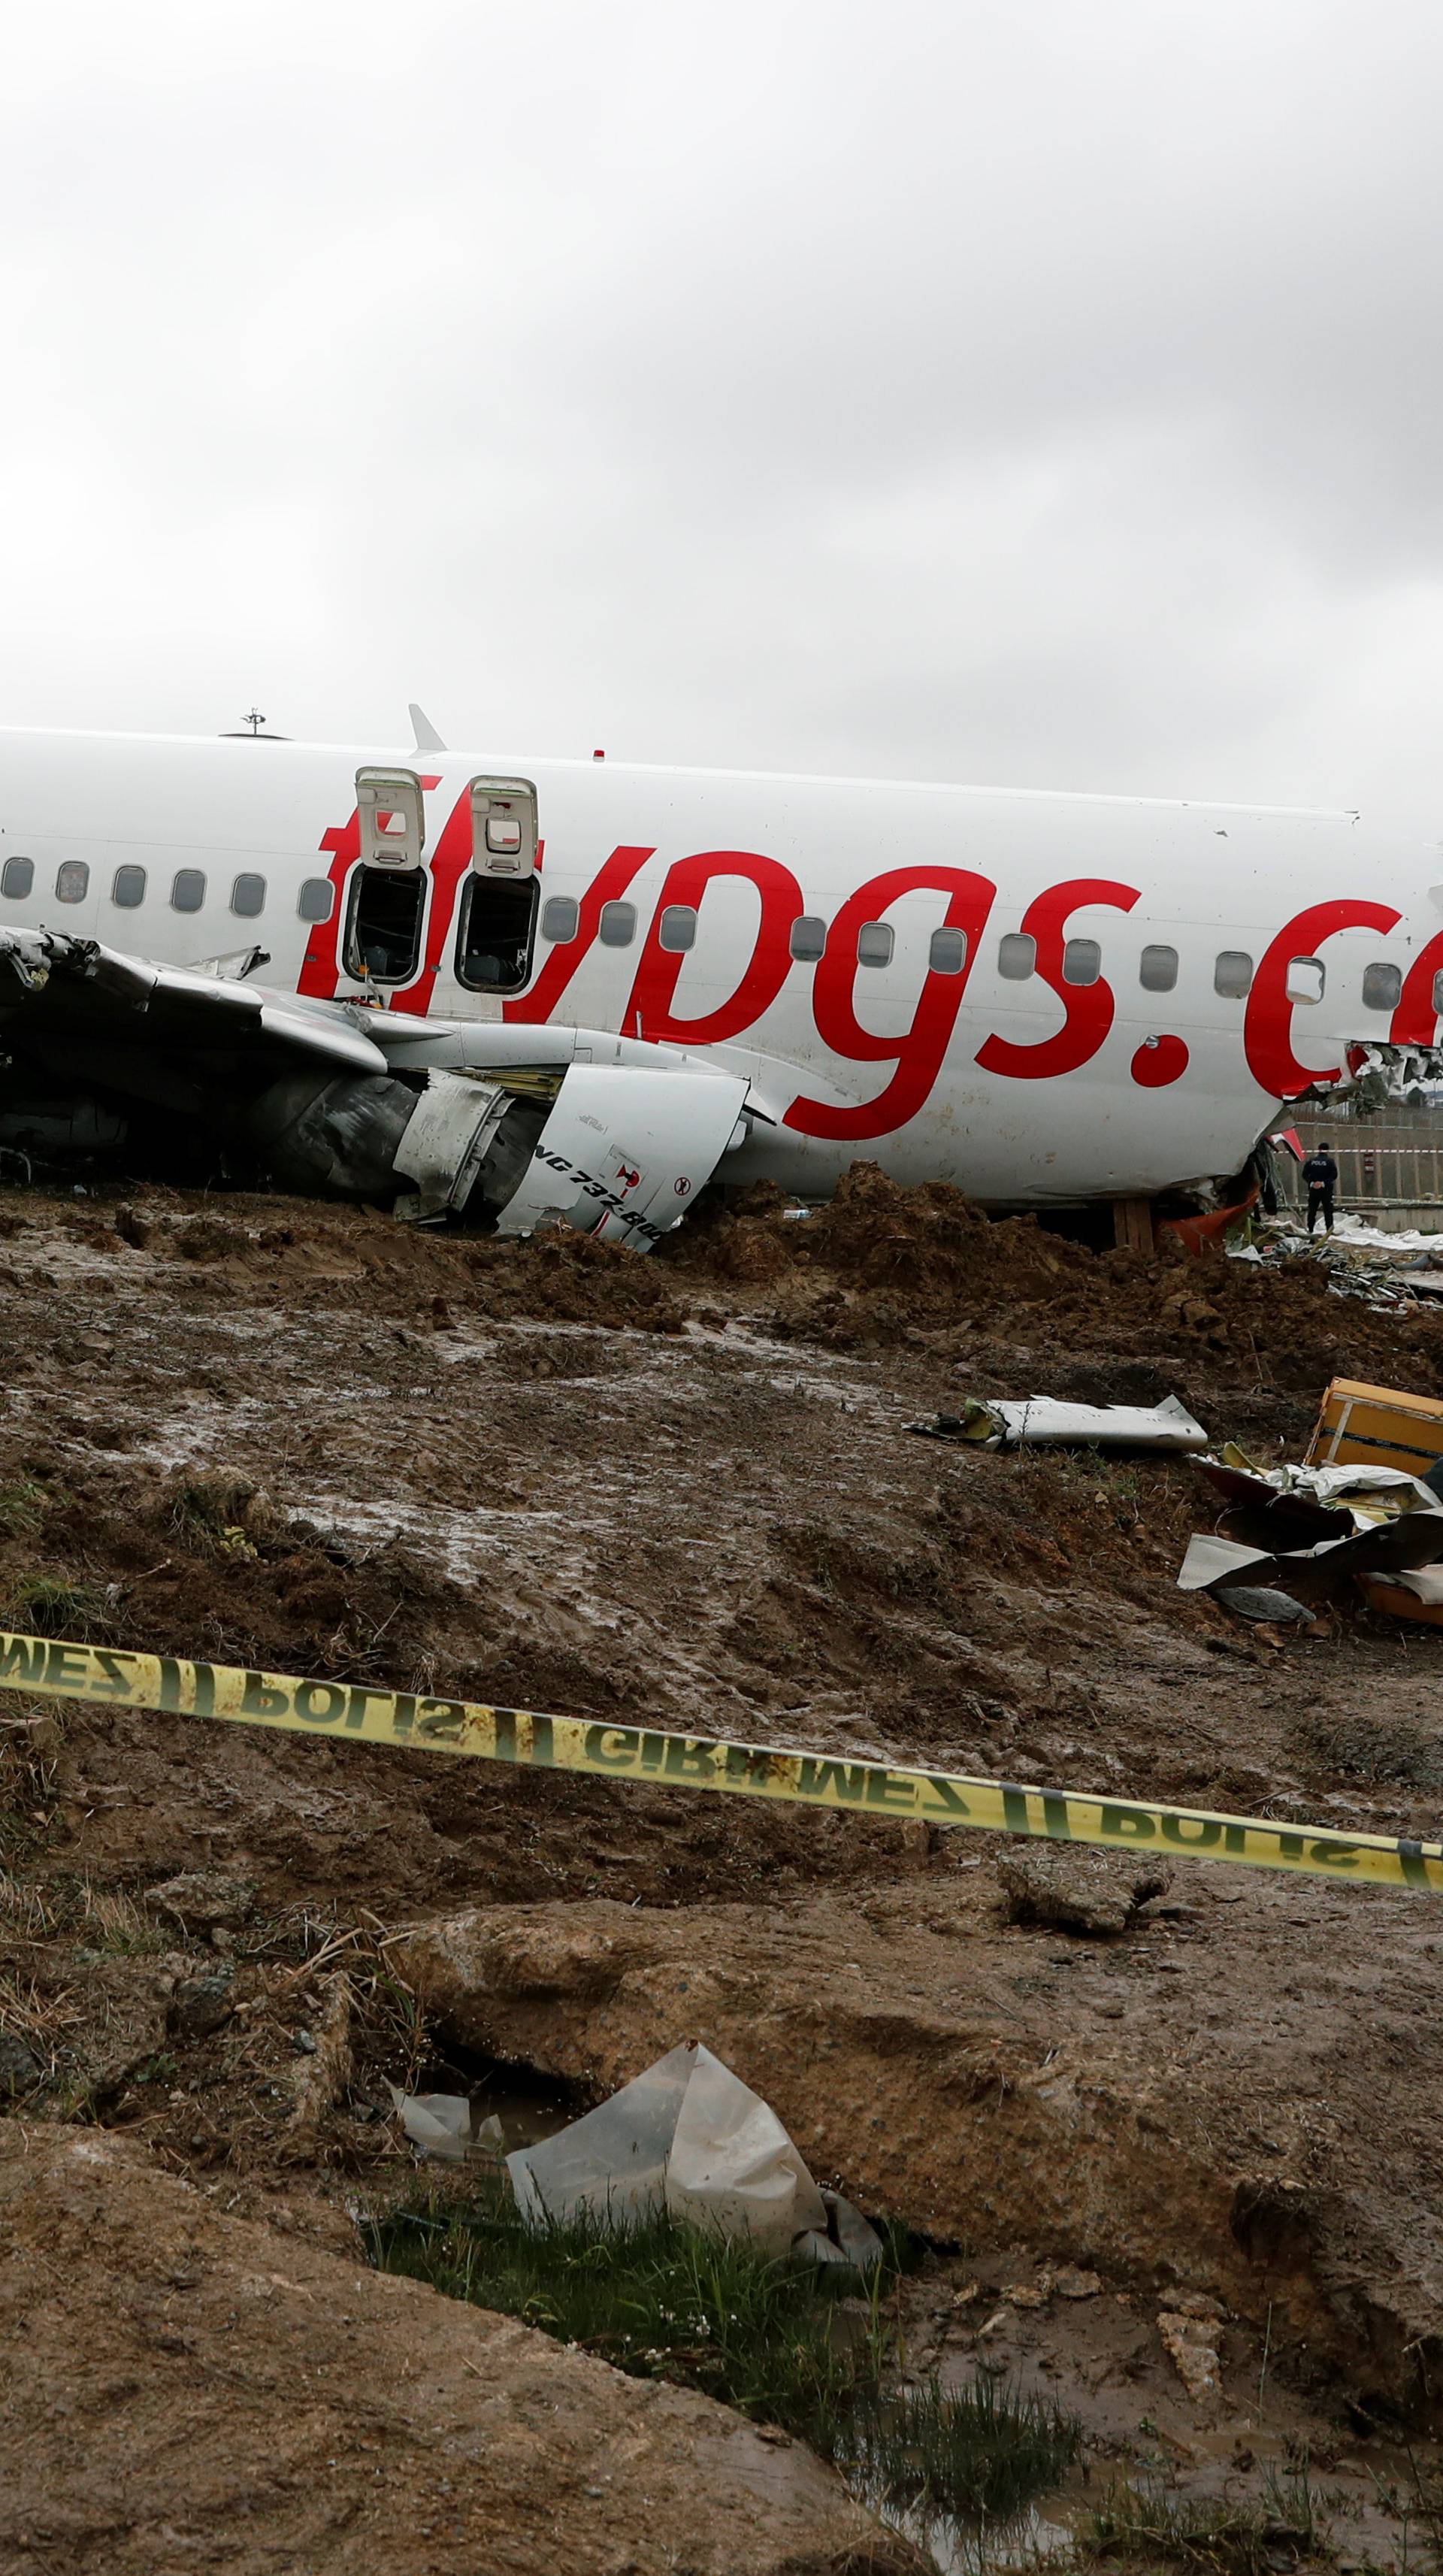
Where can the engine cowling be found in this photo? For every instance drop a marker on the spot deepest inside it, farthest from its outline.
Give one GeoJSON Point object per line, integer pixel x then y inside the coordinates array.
{"type": "Point", "coordinates": [619, 1151]}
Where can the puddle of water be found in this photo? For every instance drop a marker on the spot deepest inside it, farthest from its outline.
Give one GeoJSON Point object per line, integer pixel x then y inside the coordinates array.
{"type": "Point", "coordinates": [984, 2547]}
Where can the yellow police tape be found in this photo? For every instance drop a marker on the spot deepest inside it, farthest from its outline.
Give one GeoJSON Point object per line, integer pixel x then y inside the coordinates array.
{"type": "Point", "coordinates": [352, 1711]}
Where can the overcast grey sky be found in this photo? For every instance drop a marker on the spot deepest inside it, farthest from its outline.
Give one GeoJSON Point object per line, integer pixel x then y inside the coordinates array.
{"type": "Point", "coordinates": [1027, 391]}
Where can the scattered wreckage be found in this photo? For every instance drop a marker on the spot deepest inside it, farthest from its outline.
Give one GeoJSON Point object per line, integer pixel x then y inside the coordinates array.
{"type": "Point", "coordinates": [1041, 1421]}
{"type": "Point", "coordinates": [1367, 1502]}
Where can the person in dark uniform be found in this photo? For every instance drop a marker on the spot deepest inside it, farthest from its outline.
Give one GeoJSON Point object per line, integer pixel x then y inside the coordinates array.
{"type": "Point", "coordinates": [1320, 1179]}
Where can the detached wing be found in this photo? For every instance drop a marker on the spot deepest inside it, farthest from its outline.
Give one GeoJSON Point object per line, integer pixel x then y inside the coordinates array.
{"type": "Point", "coordinates": [517, 1128]}
{"type": "Point", "coordinates": [74, 1000]}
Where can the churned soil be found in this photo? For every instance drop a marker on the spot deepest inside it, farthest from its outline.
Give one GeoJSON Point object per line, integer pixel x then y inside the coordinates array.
{"type": "Point", "coordinates": [684, 1489]}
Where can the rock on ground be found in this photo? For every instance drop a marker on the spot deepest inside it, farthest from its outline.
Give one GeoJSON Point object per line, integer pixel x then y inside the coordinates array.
{"type": "Point", "coordinates": [1080, 1890]}
{"type": "Point", "coordinates": [190, 2390]}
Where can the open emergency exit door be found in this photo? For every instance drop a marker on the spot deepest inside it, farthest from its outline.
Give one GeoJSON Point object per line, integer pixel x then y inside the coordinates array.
{"type": "Point", "coordinates": [387, 900]}
{"type": "Point", "coordinates": [497, 925]}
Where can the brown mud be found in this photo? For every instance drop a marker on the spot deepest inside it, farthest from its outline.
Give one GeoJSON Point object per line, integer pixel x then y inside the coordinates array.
{"type": "Point", "coordinates": [682, 1489]}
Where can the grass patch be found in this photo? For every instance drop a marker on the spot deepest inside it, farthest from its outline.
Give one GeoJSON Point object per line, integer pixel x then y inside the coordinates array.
{"type": "Point", "coordinates": [980, 2450]}
{"type": "Point", "coordinates": [109, 1920]}
{"type": "Point", "coordinates": [1143, 2527]}
{"type": "Point", "coordinates": [22, 1509]}
{"type": "Point", "coordinates": [49, 1605]}
{"type": "Point", "coordinates": [767, 2336]}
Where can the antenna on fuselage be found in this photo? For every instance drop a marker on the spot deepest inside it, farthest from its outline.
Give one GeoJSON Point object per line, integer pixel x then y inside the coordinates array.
{"type": "Point", "coordinates": [253, 729]}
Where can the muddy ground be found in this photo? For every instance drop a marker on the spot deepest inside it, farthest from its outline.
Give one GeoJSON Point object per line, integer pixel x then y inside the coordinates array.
{"type": "Point", "coordinates": [683, 1489]}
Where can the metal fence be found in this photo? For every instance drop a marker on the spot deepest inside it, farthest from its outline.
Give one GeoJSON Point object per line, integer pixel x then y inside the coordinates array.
{"type": "Point", "coordinates": [1390, 1164]}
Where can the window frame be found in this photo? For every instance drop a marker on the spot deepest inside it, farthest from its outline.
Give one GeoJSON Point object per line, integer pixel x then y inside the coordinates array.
{"type": "Point", "coordinates": [1081, 952]}
{"type": "Point", "coordinates": [316, 920]}
{"type": "Point", "coordinates": [1235, 989]}
{"type": "Point", "coordinates": [609, 932]}
{"type": "Point", "coordinates": [677, 915]}
{"type": "Point", "coordinates": [559, 903]}
{"type": "Point", "coordinates": [248, 877]}
{"type": "Point", "coordinates": [1296, 969]}
{"type": "Point", "coordinates": [1382, 967]}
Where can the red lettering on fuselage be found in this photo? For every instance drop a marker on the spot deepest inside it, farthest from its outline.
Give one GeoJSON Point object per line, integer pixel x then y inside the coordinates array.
{"type": "Point", "coordinates": [1089, 1008]}
{"type": "Point", "coordinates": [607, 887]}
{"type": "Point", "coordinates": [918, 1051]}
{"type": "Point", "coordinates": [1268, 1021]}
{"type": "Point", "coordinates": [649, 1013]}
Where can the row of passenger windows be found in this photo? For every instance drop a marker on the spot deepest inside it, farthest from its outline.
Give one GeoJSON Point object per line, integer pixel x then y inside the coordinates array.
{"type": "Point", "coordinates": [1016, 954]}
{"type": "Point", "coordinates": [316, 901]}
{"type": "Point", "coordinates": [677, 928]}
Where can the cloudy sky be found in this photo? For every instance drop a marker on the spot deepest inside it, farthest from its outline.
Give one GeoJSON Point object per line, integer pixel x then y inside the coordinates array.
{"type": "Point", "coordinates": [1007, 390]}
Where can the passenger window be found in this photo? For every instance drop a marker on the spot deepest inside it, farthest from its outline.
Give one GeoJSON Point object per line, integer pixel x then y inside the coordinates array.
{"type": "Point", "coordinates": [1438, 992]}
{"type": "Point", "coordinates": [1017, 956]}
{"type": "Point", "coordinates": [808, 938]}
{"type": "Point", "coordinates": [617, 927]}
{"type": "Point", "coordinates": [1382, 988]}
{"type": "Point", "coordinates": [1157, 972]}
{"type": "Point", "coordinates": [72, 881]}
{"type": "Point", "coordinates": [187, 892]}
{"type": "Point", "coordinates": [248, 897]}
{"type": "Point", "coordinates": [128, 889]}
{"type": "Point", "coordinates": [493, 943]}
{"type": "Point", "coordinates": [1305, 978]}
{"type": "Point", "coordinates": [677, 928]}
{"type": "Point", "coordinates": [317, 899]}
{"type": "Point", "coordinates": [1081, 961]}
{"type": "Point", "coordinates": [1233, 975]}
{"type": "Point", "coordinates": [383, 931]}
{"type": "Point", "coordinates": [875, 943]}
{"type": "Point", "coordinates": [947, 952]}
{"type": "Point", "coordinates": [560, 916]}
{"type": "Point", "coordinates": [16, 878]}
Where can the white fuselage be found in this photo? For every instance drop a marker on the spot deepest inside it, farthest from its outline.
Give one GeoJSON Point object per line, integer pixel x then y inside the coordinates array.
{"type": "Point", "coordinates": [1112, 1056]}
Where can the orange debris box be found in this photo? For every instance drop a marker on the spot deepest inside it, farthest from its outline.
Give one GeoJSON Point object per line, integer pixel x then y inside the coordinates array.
{"type": "Point", "coordinates": [1377, 1426]}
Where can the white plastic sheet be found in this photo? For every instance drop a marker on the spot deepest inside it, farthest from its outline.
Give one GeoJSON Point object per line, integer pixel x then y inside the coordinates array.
{"type": "Point", "coordinates": [690, 2138]}
{"type": "Point", "coordinates": [443, 2125]}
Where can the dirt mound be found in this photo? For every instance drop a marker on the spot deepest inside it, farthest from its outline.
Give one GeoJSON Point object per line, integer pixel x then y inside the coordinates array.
{"type": "Point", "coordinates": [198, 2389]}
{"type": "Point", "coordinates": [1114, 2102]}
{"type": "Point", "coordinates": [921, 1267]}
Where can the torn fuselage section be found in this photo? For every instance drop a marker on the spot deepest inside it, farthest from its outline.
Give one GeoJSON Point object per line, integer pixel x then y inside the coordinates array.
{"type": "Point", "coordinates": [174, 1071]}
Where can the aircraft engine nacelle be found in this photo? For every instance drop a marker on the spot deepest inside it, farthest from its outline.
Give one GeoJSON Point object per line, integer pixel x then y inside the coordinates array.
{"type": "Point", "coordinates": [617, 1151]}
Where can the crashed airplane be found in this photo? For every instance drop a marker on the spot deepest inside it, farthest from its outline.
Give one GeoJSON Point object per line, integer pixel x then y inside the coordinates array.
{"type": "Point", "coordinates": [512, 993]}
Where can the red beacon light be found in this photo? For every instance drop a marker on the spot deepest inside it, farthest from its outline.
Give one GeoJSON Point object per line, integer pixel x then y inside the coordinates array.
{"type": "Point", "coordinates": [598, 755]}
